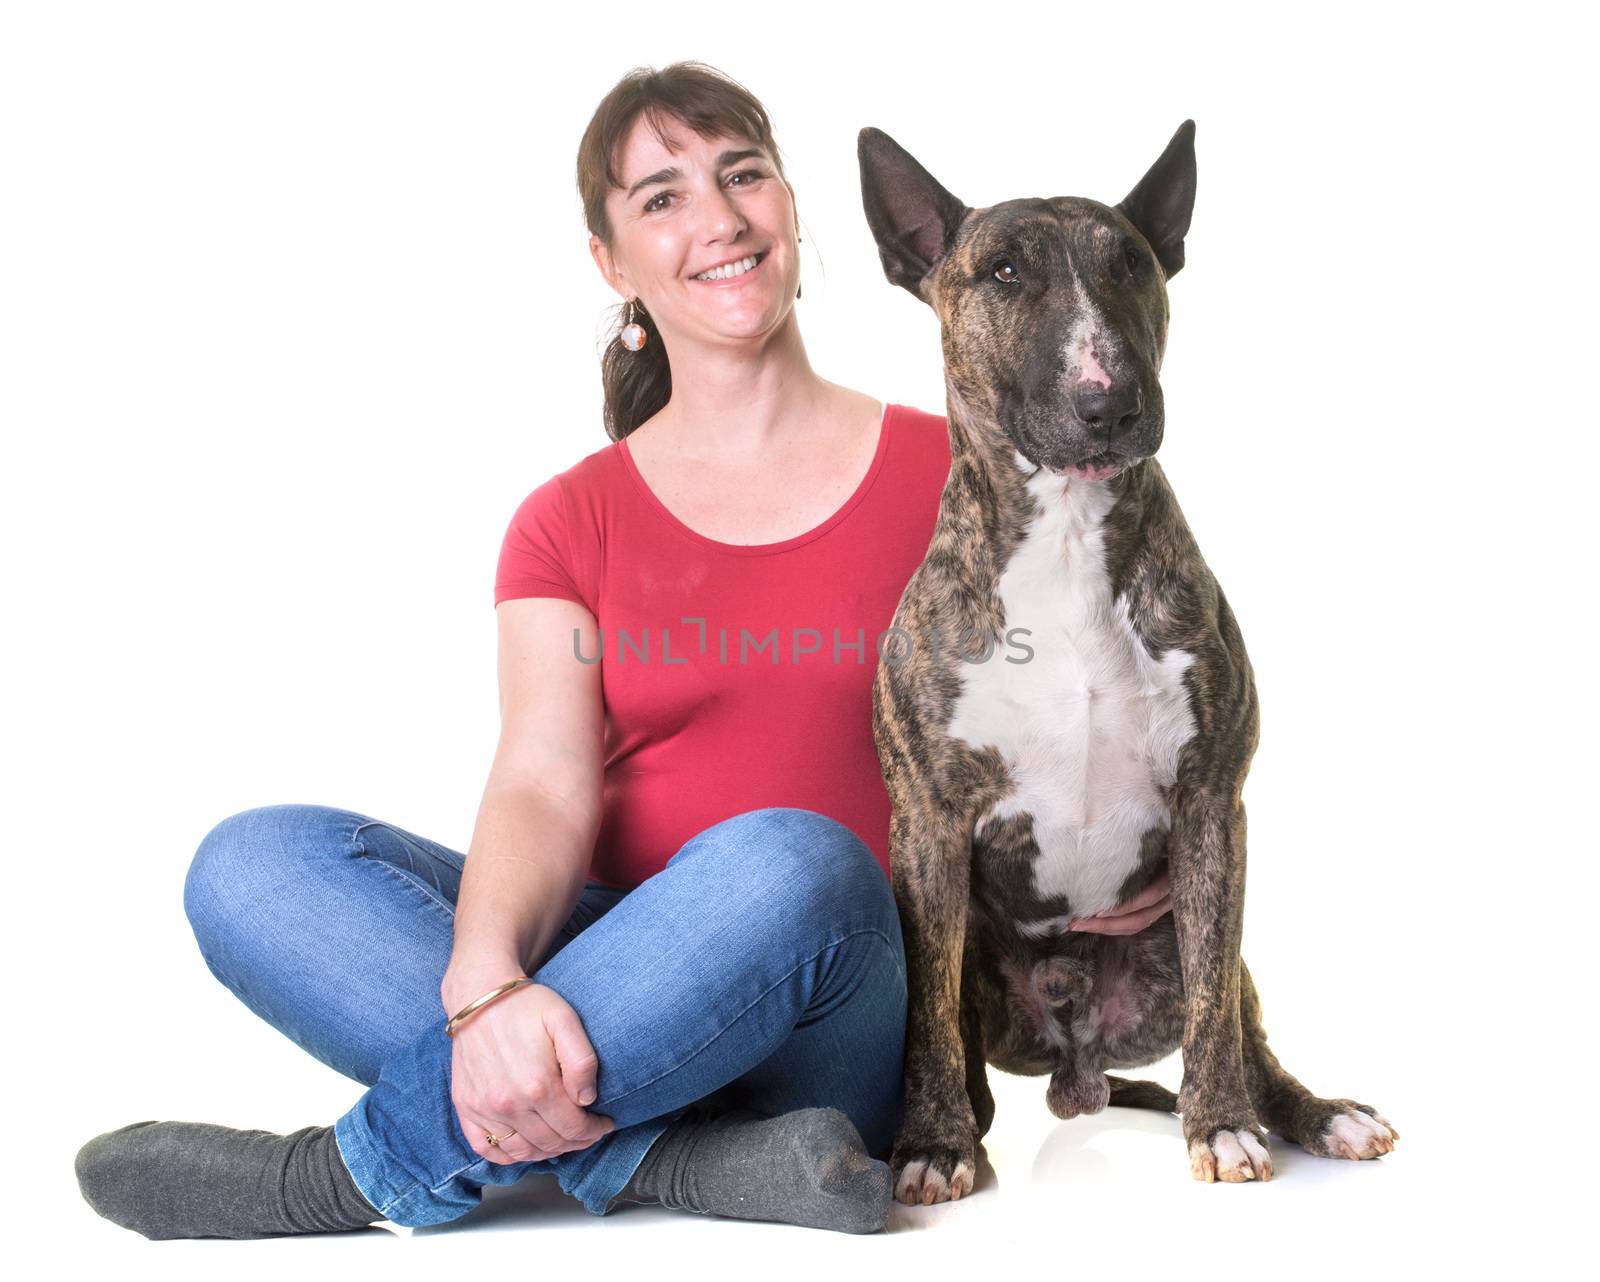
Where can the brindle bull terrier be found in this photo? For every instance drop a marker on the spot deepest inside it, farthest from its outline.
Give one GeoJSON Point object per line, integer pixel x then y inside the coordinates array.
{"type": "Point", "coordinates": [1030, 792]}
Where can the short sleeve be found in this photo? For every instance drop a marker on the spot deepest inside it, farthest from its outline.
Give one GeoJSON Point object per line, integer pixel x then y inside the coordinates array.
{"type": "Point", "coordinates": [536, 554]}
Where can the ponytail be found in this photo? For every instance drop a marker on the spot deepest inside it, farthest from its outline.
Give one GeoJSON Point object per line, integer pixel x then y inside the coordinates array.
{"type": "Point", "coordinates": [637, 384]}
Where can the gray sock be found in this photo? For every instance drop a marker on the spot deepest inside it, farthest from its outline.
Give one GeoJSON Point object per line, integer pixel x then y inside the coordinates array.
{"type": "Point", "coordinates": [192, 1179]}
{"type": "Point", "coordinates": [808, 1167]}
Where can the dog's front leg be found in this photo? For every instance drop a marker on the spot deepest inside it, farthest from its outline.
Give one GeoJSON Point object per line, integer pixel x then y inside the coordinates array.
{"type": "Point", "coordinates": [935, 1154]}
{"type": "Point", "coordinates": [1207, 852]}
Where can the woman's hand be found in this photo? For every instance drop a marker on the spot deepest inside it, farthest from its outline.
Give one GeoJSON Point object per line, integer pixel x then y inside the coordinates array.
{"type": "Point", "coordinates": [523, 1063]}
{"type": "Point", "coordinates": [1154, 901]}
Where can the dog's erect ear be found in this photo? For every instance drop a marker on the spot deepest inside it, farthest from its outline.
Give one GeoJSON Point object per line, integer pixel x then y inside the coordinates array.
{"type": "Point", "coordinates": [1161, 205]}
{"type": "Point", "coordinates": [913, 218]}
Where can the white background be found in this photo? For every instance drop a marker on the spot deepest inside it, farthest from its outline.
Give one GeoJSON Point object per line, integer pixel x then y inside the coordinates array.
{"type": "Point", "coordinates": [297, 308]}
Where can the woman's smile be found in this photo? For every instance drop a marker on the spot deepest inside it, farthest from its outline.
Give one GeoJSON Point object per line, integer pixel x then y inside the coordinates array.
{"type": "Point", "coordinates": [742, 268]}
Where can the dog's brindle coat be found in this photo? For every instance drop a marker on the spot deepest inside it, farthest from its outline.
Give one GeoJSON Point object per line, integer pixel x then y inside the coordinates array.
{"type": "Point", "coordinates": [1027, 793]}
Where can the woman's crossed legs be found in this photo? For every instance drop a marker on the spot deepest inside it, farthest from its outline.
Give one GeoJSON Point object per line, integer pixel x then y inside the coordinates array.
{"type": "Point", "coordinates": [763, 966]}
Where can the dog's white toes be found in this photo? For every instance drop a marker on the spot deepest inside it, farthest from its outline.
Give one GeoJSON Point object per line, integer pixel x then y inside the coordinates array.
{"type": "Point", "coordinates": [922, 1184]}
{"type": "Point", "coordinates": [1260, 1159]}
{"type": "Point", "coordinates": [1394, 1131]}
{"type": "Point", "coordinates": [961, 1181]}
{"type": "Point", "coordinates": [908, 1188]}
{"type": "Point", "coordinates": [934, 1187]}
{"type": "Point", "coordinates": [1357, 1135]}
{"type": "Point", "coordinates": [1230, 1156]}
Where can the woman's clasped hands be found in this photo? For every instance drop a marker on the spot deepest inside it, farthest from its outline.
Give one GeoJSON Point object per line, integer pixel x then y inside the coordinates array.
{"type": "Point", "coordinates": [522, 1069]}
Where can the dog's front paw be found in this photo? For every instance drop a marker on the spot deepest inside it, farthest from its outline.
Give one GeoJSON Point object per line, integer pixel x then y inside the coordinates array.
{"type": "Point", "coordinates": [1231, 1153]}
{"type": "Point", "coordinates": [935, 1163]}
{"type": "Point", "coordinates": [1349, 1130]}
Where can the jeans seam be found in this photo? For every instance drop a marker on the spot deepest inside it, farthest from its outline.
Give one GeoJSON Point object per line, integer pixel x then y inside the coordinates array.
{"type": "Point", "coordinates": [361, 851]}
{"type": "Point", "coordinates": [866, 930]}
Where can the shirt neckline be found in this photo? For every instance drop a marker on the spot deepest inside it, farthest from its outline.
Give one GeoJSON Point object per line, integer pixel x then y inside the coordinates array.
{"type": "Point", "coordinates": [765, 549]}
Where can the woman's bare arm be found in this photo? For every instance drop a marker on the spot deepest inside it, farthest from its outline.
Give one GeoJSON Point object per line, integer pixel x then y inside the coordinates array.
{"type": "Point", "coordinates": [541, 807]}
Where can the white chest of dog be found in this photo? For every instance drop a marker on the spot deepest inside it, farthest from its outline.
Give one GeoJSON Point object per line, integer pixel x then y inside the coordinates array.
{"type": "Point", "coordinates": [1090, 726]}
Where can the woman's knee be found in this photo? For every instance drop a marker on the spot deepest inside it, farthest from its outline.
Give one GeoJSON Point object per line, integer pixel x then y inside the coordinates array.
{"type": "Point", "coordinates": [805, 864]}
{"type": "Point", "coordinates": [258, 856]}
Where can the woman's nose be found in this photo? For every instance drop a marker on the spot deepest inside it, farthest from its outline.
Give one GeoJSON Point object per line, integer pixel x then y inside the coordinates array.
{"type": "Point", "coordinates": [721, 218]}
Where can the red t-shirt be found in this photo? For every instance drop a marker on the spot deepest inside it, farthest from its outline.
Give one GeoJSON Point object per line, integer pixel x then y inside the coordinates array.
{"type": "Point", "coordinates": [717, 660]}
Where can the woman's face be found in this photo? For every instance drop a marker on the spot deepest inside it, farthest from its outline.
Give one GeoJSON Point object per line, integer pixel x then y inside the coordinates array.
{"type": "Point", "coordinates": [695, 205]}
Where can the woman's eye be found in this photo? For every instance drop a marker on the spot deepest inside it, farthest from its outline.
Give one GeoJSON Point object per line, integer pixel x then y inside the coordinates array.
{"type": "Point", "coordinates": [650, 205]}
{"type": "Point", "coordinates": [1005, 272]}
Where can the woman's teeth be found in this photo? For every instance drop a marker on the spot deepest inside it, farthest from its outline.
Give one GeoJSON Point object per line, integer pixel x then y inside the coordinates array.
{"type": "Point", "coordinates": [730, 269]}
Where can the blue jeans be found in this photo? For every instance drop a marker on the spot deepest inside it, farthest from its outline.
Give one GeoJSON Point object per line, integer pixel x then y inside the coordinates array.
{"type": "Point", "coordinates": [762, 967]}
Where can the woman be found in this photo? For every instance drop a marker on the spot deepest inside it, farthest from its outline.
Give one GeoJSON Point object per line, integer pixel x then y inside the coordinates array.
{"type": "Point", "coordinates": [722, 1031]}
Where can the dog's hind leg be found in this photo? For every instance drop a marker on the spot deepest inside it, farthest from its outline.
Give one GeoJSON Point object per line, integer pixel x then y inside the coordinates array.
{"type": "Point", "coordinates": [1326, 1127]}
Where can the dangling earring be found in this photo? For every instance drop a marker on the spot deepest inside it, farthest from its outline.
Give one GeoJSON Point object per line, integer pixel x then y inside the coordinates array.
{"type": "Point", "coordinates": [800, 288]}
{"type": "Point", "coordinates": [632, 334]}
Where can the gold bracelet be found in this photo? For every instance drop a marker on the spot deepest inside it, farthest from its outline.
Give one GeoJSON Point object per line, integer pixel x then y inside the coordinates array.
{"type": "Point", "coordinates": [478, 1003]}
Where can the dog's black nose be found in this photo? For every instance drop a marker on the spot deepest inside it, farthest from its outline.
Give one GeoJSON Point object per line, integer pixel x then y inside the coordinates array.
{"type": "Point", "coordinates": [1108, 412]}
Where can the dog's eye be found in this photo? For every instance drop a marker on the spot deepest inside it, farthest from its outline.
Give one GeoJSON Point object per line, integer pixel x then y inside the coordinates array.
{"type": "Point", "coordinates": [1132, 259]}
{"type": "Point", "coordinates": [1006, 273]}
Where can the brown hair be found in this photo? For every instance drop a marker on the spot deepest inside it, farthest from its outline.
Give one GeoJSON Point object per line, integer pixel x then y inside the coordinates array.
{"type": "Point", "coordinates": [638, 384]}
